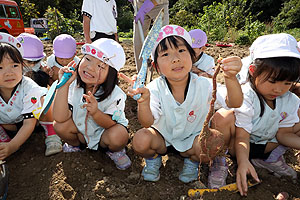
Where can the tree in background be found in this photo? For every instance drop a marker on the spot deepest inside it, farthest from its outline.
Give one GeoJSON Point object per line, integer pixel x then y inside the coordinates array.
{"type": "Point", "coordinates": [29, 10]}
{"type": "Point", "coordinates": [58, 24]}
{"type": "Point", "coordinates": [289, 16]}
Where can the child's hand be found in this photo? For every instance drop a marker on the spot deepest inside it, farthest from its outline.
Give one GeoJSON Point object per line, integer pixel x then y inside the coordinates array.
{"type": "Point", "coordinates": [91, 104]}
{"type": "Point", "coordinates": [241, 176]}
{"type": "Point", "coordinates": [231, 66]}
{"type": "Point", "coordinates": [66, 70]}
{"type": "Point", "coordinates": [5, 150]}
{"type": "Point", "coordinates": [145, 93]}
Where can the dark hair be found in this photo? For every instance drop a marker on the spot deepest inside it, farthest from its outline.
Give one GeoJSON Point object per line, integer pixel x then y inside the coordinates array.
{"type": "Point", "coordinates": [277, 68]}
{"type": "Point", "coordinates": [108, 85]}
{"type": "Point", "coordinates": [173, 39]}
{"type": "Point", "coordinates": [40, 77]}
{"type": "Point", "coordinates": [12, 52]}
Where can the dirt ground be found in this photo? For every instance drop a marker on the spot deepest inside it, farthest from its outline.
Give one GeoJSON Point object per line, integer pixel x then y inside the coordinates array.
{"type": "Point", "coordinates": [92, 175]}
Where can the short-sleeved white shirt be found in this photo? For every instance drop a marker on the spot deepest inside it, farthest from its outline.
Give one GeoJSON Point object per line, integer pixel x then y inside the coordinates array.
{"type": "Point", "coordinates": [103, 14]}
{"type": "Point", "coordinates": [51, 62]}
{"type": "Point", "coordinates": [115, 102]}
{"type": "Point", "coordinates": [25, 100]}
{"type": "Point", "coordinates": [206, 63]}
{"type": "Point", "coordinates": [179, 124]}
{"type": "Point", "coordinates": [263, 129]}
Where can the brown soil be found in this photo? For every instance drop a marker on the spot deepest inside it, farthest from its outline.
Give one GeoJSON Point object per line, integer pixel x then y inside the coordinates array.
{"type": "Point", "coordinates": [92, 175]}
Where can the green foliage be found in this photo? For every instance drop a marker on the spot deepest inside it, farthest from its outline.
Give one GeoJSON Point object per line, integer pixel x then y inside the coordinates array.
{"type": "Point", "coordinates": [251, 31]}
{"type": "Point", "coordinates": [243, 39]}
{"type": "Point", "coordinates": [126, 34]}
{"type": "Point", "coordinates": [58, 24]}
{"type": "Point", "coordinates": [125, 18]}
{"type": "Point", "coordinates": [28, 10]}
{"type": "Point", "coordinates": [289, 17]}
{"type": "Point", "coordinates": [184, 18]}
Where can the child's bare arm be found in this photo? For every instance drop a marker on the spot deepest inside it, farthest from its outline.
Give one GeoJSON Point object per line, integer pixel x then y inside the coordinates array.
{"type": "Point", "coordinates": [289, 136]}
{"type": "Point", "coordinates": [61, 112]}
{"type": "Point", "coordinates": [144, 112]}
{"type": "Point", "coordinates": [231, 66]}
{"type": "Point", "coordinates": [242, 148]}
{"type": "Point", "coordinates": [6, 149]}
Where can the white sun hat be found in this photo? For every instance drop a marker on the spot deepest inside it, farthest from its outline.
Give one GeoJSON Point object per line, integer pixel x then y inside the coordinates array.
{"type": "Point", "coordinates": [107, 50]}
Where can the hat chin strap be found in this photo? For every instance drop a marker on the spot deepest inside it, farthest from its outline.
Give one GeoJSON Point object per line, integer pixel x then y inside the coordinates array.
{"type": "Point", "coordinates": [107, 60]}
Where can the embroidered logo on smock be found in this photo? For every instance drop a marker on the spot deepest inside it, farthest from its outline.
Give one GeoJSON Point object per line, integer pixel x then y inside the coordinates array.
{"type": "Point", "coordinates": [191, 118]}
{"type": "Point", "coordinates": [33, 100]}
{"type": "Point", "coordinates": [283, 115]}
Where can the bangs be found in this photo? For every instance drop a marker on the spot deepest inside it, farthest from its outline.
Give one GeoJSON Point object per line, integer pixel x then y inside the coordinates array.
{"type": "Point", "coordinates": [12, 52]}
{"type": "Point", "coordinates": [279, 68]}
{"type": "Point", "coordinates": [173, 41]}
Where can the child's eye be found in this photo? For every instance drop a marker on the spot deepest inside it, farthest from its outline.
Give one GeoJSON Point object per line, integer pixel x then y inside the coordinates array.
{"type": "Point", "coordinates": [271, 81]}
{"type": "Point", "coordinates": [288, 83]}
{"type": "Point", "coordinates": [87, 58]}
{"type": "Point", "coordinates": [182, 50]}
{"type": "Point", "coordinates": [164, 54]}
{"type": "Point", "coordinates": [15, 65]}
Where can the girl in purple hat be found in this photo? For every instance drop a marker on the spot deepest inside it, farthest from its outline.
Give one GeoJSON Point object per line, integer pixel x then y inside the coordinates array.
{"type": "Point", "coordinates": [173, 107]}
{"type": "Point", "coordinates": [33, 58]}
{"type": "Point", "coordinates": [89, 108]}
{"type": "Point", "coordinates": [204, 64]}
{"type": "Point", "coordinates": [20, 99]}
{"type": "Point", "coordinates": [64, 51]}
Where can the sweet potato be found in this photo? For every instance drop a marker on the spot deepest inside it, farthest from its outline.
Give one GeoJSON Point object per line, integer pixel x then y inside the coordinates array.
{"type": "Point", "coordinates": [211, 140]}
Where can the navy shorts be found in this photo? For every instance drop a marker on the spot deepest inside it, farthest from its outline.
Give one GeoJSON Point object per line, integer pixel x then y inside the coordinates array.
{"type": "Point", "coordinates": [258, 151]}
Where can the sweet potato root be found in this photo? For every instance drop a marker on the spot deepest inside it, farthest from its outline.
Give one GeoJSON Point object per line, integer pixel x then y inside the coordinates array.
{"type": "Point", "coordinates": [211, 140]}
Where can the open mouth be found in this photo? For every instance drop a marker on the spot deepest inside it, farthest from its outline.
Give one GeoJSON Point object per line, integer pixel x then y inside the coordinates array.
{"type": "Point", "coordinates": [88, 74]}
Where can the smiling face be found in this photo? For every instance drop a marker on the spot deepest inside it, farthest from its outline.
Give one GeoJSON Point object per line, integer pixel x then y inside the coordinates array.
{"type": "Point", "coordinates": [10, 73]}
{"type": "Point", "coordinates": [89, 70]}
{"type": "Point", "coordinates": [174, 62]}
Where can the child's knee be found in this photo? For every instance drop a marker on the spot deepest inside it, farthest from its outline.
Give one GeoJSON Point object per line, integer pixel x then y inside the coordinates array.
{"type": "Point", "coordinates": [118, 139]}
{"type": "Point", "coordinates": [141, 140]}
{"type": "Point", "coordinates": [223, 118]}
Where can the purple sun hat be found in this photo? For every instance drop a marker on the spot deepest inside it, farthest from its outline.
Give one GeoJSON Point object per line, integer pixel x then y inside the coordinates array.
{"type": "Point", "coordinates": [32, 46]}
{"type": "Point", "coordinates": [199, 38]}
{"type": "Point", "coordinates": [64, 46]}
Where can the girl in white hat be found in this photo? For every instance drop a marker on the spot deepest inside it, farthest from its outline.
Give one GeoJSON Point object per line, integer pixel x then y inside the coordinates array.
{"type": "Point", "coordinates": [173, 107]}
{"type": "Point", "coordinates": [20, 99]}
{"type": "Point", "coordinates": [268, 121]}
{"type": "Point", "coordinates": [92, 91]}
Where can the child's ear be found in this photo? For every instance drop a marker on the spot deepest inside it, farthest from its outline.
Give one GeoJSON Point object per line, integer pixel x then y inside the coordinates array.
{"type": "Point", "coordinates": [252, 69]}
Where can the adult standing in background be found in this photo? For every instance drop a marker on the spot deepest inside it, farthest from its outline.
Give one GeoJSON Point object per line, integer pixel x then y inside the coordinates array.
{"type": "Point", "coordinates": [99, 19]}
{"type": "Point", "coordinates": [147, 12]}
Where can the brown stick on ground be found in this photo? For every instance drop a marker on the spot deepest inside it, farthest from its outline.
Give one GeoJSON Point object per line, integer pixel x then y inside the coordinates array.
{"type": "Point", "coordinates": [211, 140]}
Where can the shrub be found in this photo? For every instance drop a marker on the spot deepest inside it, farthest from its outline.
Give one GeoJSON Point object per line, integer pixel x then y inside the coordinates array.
{"type": "Point", "coordinates": [58, 24]}
{"type": "Point", "coordinates": [243, 39]}
{"type": "Point", "coordinates": [289, 17]}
